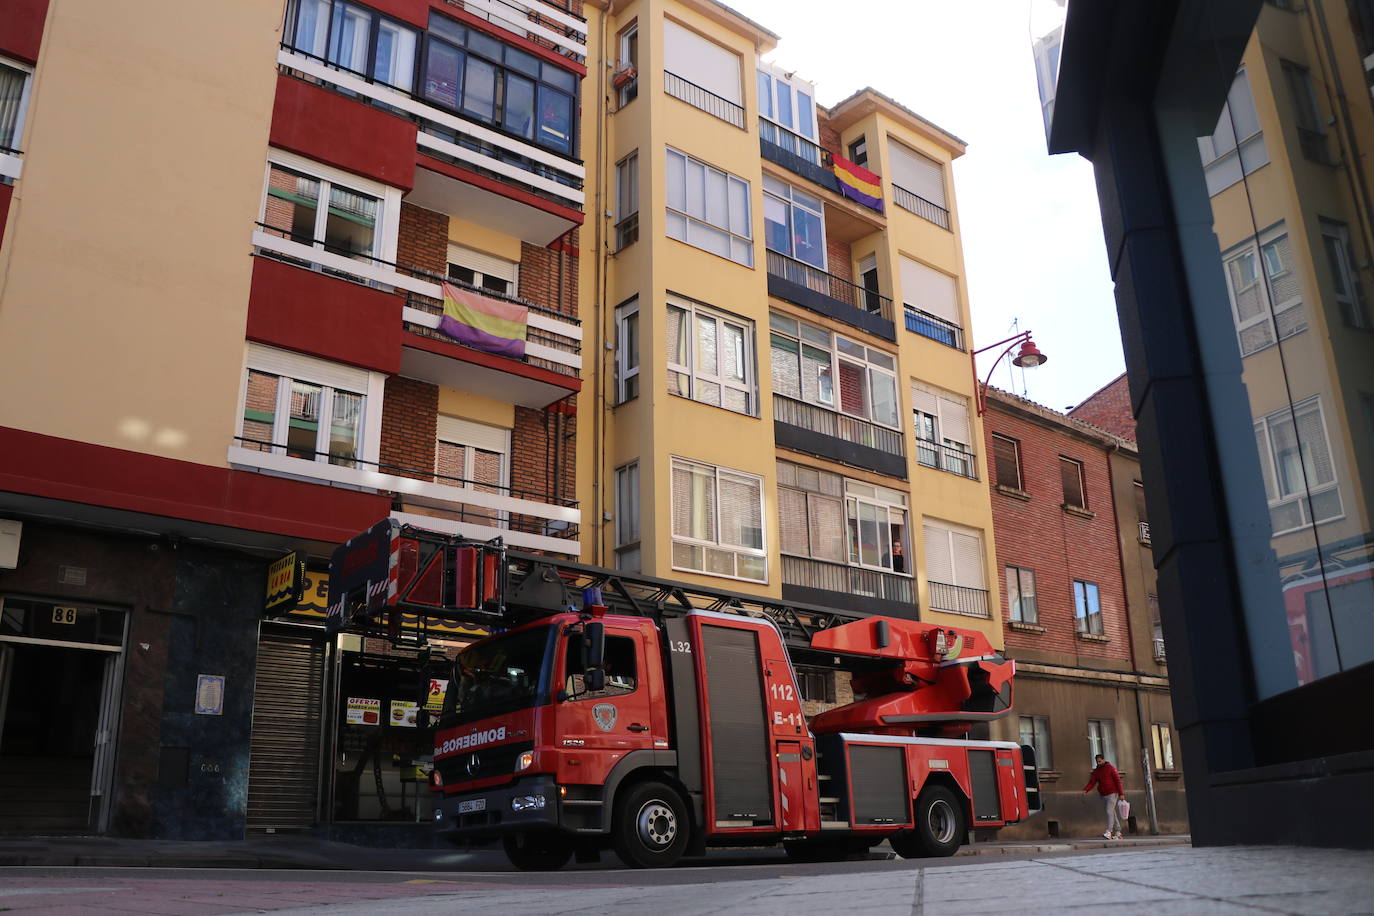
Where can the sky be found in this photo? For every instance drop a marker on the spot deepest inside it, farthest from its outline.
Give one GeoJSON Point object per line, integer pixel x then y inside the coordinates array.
{"type": "Point", "coordinates": [1032, 233]}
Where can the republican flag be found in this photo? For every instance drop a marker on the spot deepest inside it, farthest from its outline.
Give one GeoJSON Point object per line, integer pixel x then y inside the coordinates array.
{"type": "Point", "coordinates": [858, 183]}
{"type": "Point", "coordinates": [484, 323]}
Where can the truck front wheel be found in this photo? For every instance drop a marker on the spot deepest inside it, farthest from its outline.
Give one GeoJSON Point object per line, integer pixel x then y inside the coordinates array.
{"type": "Point", "coordinates": [538, 851]}
{"type": "Point", "coordinates": [939, 826]}
{"type": "Point", "coordinates": [652, 826]}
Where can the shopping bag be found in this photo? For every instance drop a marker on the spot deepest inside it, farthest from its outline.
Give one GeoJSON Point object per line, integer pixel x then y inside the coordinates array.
{"type": "Point", "coordinates": [1123, 808]}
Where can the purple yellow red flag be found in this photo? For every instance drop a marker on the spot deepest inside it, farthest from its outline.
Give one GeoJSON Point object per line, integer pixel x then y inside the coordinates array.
{"type": "Point", "coordinates": [484, 323]}
{"type": "Point", "coordinates": [858, 183]}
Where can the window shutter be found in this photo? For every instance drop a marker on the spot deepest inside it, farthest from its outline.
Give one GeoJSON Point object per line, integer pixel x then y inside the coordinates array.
{"type": "Point", "coordinates": [792, 521]}
{"type": "Point", "coordinates": [1008, 468]}
{"type": "Point", "coordinates": [483, 263]}
{"type": "Point", "coordinates": [954, 420]}
{"type": "Point", "coordinates": [919, 174]}
{"type": "Point", "coordinates": [827, 528]}
{"type": "Point", "coordinates": [701, 61]}
{"type": "Point", "coordinates": [967, 550]}
{"type": "Point", "coordinates": [925, 399]}
{"type": "Point", "coordinates": [479, 435]}
{"type": "Point", "coordinates": [929, 290]}
{"type": "Point", "coordinates": [939, 559]}
{"type": "Point", "coordinates": [307, 368]}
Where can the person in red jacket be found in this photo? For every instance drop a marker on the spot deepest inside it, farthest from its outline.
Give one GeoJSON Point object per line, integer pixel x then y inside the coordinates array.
{"type": "Point", "coordinates": [1108, 782]}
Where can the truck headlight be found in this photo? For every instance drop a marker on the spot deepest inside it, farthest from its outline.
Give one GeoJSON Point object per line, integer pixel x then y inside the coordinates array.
{"type": "Point", "coordinates": [526, 802]}
{"type": "Point", "coordinates": [524, 761]}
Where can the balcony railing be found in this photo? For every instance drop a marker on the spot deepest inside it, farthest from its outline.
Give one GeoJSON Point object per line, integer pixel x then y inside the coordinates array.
{"type": "Point", "coordinates": [1159, 648]}
{"type": "Point", "coordinates": [790, 142]}
{"type": "Point", "coordinates": [851, 580]}
{"type": "Point", "coordinates": [704, 99]}
{"type": "Point", "coordinates": [551, 24]}
{"type": "Point", "coordinates": [949, 458]}
{"type": "Point", "coordinates": [627, 231]}
{"type": "Point", "coordinates": [553, 339]}
{"type": "Point", "coordinates": [934, 327]}
{"type": "Point", "coordinates": [1144, 532]}
{"type": "Point", "coordinates": [923, 208]}
{"type": "Point", "coordinates": [837, 425]}
{"type": "Point", "coordinates": [959, 599]}
{"type": "Point", "coordinates": [11, 163]}
{"type": "Point", "coordinates": [829, 285]}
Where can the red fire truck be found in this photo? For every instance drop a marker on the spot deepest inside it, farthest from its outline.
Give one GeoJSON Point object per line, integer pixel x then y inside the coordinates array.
{"type": "Point", "coordinates": [658, 719]}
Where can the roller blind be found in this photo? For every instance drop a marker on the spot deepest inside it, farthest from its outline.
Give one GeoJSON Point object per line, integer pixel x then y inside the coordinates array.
{"type": "Point", "coordinates": [919, 174]}
{"type": "Point", "coordinates": [929, 290]}
{"type": "Point", "coordinates": [701, 61]}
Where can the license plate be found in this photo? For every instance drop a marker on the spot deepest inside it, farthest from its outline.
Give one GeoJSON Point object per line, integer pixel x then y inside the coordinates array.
{"type": "Point", "coordinates": [471, 805]}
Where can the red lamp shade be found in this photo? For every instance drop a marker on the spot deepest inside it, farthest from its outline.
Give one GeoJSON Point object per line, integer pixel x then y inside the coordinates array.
{"type": "Point", "coordinates": [1030, 356]}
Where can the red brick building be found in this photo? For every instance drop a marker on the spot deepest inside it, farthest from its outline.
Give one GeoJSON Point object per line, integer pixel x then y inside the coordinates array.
{"type": "Point", "coordinates": [1080, 612]}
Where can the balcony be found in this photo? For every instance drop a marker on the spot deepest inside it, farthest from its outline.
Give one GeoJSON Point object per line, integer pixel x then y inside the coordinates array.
{"type": "Point", "coordinates": [849, 440]}
{"type": "Point", "coordinates": [915, 203]}
{"type": "Point", "coordinates": [826, 294]}
{"type": "Point", "coordinates": [795, 153]}
{"type": "Point", "coordinates": [535, 521]}
{"type": "Point", "coordinates": [809, 581]}
{"type": "Point", "coordinates": [959, 599]}
{"type": "Point", "coordinates": [11, 164]}
{"type": "Point", "coordinates": [950, 458]}
{"type": "Point", "coordinates": [547, 22]}
{"type": "Point", "coordinates": [548, 372]}
{"type": "Point", "coordinates": [521, 189]}
{"type": "Point", "coordinates": [933, 326]}
{"type": "Point", "coordinates": [704, 99]}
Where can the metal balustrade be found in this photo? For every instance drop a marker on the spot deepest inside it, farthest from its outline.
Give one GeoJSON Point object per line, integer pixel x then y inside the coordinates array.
{"type": "Point", "coordinates": [838, 425]}
{"type": "Point", "coordinates": [837, 288]}
{"type": "Point", "coordinates": [934, 327]}
{"type": "Point", "coordinates": [852, 580]}
{"type": "Point", "coordinates": [1159, 648]}
{"type": "Point", "coordinates": [915, 203]}
{"type": "Point", "coordinates": [705, 99]}
{"type": "Point", "coordinates": [1144, 532]}
{"type": "Point", "coordinates": [959, 599]}
{"type": "Point", "coordinates": [949, 458]}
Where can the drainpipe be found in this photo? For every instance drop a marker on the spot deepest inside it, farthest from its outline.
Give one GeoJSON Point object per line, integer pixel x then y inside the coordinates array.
{"type": "Point", "coordinates": [597, 362]}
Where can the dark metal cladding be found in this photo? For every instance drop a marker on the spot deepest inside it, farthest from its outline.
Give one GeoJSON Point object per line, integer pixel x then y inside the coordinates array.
{"type": "Point", "coordinates": [880, 785]}
{"type": "Point", "coordinates": [739, 725]}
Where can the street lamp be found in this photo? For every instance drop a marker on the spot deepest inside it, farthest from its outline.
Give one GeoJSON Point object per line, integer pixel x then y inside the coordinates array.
{"type": "Point", "coordinates": [1029, 357]}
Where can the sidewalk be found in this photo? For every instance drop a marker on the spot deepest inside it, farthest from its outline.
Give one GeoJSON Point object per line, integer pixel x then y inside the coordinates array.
{"type": "Point", "coordinates": [303, 852]}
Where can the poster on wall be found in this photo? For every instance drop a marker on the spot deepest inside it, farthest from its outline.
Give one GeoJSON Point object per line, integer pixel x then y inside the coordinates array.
{"type": "Point", "coordinates": [404, 714]}
{"type": "Point", "coordinates": [364, 711]}
{"type": "Point", "coordinates": [209, 695]}
{"type": "Point", "coordinates": [435, 701]}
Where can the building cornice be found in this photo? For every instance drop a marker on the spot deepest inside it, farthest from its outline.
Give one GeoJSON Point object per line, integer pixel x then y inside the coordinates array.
{"type": "Point", "coordinates": [1009, 403]}
{"type": "Point", "coordinates": [868, 101]}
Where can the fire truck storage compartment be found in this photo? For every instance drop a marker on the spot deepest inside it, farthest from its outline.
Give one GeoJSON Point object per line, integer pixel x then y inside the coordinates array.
{"type": "Point", "coordinates": [878, 780]}
{"type": "Point", "coordinates": [738, 726]}
{"type": "Point", "coordinates": [982, 769]}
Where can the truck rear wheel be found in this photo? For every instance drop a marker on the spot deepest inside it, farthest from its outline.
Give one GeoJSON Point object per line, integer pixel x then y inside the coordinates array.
{"type": "Point", "coordinates": [538, 851]}
{"type": "Point", "coordinates": [651, 827]}
{"type": "Point", "coordinates": [939, 828]}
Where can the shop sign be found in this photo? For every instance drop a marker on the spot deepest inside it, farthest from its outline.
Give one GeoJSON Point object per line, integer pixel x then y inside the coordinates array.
{"type": "Point", "coordinates": [364, 711]}
{"type": "Point", "coordinates": [404, 714]}
{"type": "Point", "coordinates": [210, 695]}
{"type": "Point", "coordinates": [285, 584]}
{"type": "Point", "coordinates": [314, 601]}
{"type": "Point", "coordinates": [437, 689]}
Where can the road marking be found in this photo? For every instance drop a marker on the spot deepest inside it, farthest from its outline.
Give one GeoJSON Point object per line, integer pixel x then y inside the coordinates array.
{"type": "Point", "coordinates": [17, 891]}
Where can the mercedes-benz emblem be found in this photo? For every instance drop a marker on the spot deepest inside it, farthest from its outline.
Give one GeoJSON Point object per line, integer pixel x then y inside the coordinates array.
{"type": "Point", "coordinates": [474, 764]}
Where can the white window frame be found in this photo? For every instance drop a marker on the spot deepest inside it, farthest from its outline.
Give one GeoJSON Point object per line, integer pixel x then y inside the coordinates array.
{"type": "Point", "coordinates": [717, 473]}
{"type": "Point", "coordinates": [874, 361]}
{"type": "Point", "coordinates": [288, 367]}
{"type": "Point", "coordinates": [385, 235]}
{"type": "Point", "coordinates": [628, 352]}
{"type": "Point", "coordinates": [777, 76]}
{"type": "Point", "coordinates": [485, 265]}
{"type": "Point", "coordinates": [626, 186]}
{"type": "Point", "coordinates": [1102, 740]}
{"type": "Point", "coordinates": [1226, 159]}
{"type": "Point", "coordinates": [1016, 609]}
{"type": "Point", "coordinates": [627, 532]}
{"type": "Point", "coordinates": [693, 312]}
{"type": "Point", "coordinates": [788, 474]}
{"type": "Point", "coordinates": [1277, 497]}
{"type": "Point", "coordinates": [628, 57]}
{"type": "Point", "coordinates": [11, 164]}
{"type": "Point", "coordinates": [741, 246]}
{"type": "Point", "coordinates": [473, 435]}
{"type": "Point", "coordinates": [933, 528]}
{"type": "Point", "coordinates": [1345, 281]}
{"type": "Point", "coordinates": [1039, 728]}
{"type": "Point", "coordinates": [947, 405]}
{"type": "Point", "coordinates": [1088, 623]}
{"type": "Point", "coordinates": [885, 500]}
{"type": "Point", "coordinates": [788, 196]}
{"type": "Point", "coordinates": [1266, 265]}
{"type": "Point", "coordinates": [1163, 743]}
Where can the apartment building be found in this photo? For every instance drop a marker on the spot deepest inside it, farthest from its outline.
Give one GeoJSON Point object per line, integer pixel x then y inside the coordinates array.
{"type": "Point", "coordinates": [1081, 612]}
{"type": "Point", "coordinates": [1236, 206]}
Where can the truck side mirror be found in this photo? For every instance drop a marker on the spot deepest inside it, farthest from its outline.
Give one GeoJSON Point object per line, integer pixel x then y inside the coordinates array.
{"type": "Point", "coordinates": [596, 644]}
{"type": "Point", "coordinates": [595, 679]}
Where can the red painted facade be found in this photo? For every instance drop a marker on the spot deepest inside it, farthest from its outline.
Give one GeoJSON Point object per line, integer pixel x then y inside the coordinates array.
{"type": "Point", "coordinates": [325, 316]}
{"type": "Point", "coordinates": [21, 28]}
{"type": "Point", "coordinates": [6, 193]}
{"type": "Point", "coordinates": [338, 131]}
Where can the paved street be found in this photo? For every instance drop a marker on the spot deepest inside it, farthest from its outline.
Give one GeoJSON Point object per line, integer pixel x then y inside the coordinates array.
{"type": "Point", "coordinates": [1161, 881]}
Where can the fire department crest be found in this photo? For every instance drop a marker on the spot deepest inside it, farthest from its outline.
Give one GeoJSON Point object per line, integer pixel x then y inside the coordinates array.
{"type": "Point", "coordinates": [604, 714]}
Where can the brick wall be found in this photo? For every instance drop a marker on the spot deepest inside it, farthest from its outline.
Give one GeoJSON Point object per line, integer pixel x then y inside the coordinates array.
{"type": "Point", "coordinates": [410, 417]}
{"type": "Point", "coordinates": [548, 276]}
{"type": "Point", "coordinates": [1110, 409]}
{"type": "Point", "coordinates": [837, 259]}
{"type": "Point", "coordinates": [423, 240]}
{"type": "Point", "coordinates": [829, 137]}
{"type": "Point", "coordinates": [1060, 546]}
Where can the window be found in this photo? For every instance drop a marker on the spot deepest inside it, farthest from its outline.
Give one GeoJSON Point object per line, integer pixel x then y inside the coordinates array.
{"type": "Point", "coordinates": [709, 209]}
{"type": "Point", "coordinates": [618, 662]}
{"type": "Point", "coordinates": [1021, 606]}
{"type": "Point", "coordinates": [627, 550]}
{"type": "Point", "coordinates": [702, 73]}
{"type": "Point", "coordinates": [1156, 628]}
{"type": "Point", "coordinates": [14, 101]}
{"type": "Point", "coordinates": [811, 510]}
{"type": "Point", "coordinates": [954, 569]}
{"type": "Point", "coordinates": [817, 684]}
{"type": "Point", "coordinates": [918, 175]}
{"type": "Point", "coordinates": [1308, 119]}
{"type": "Point", "coordinates": [1035, 732]}
{"type": "Point", "coordinates": [868, 279]}
{"type": "Point", "coordinates": [807, 361]}
{"type": "Point", "coordinates": [875, 519]}
{"type": "Point", "coordinates": [1102, 740]}
{"type": "Point", "coordinates": [1344, 281]}
{"type": "Point", "coordinates": [1087, 608]}
{"type": "Point", "coordinates": [343, 33]}
{"type": "Point", "coordinates": [627, 351]}
{"type": "Point", "coordinates": [473, 456]}
{"type": "Point", "coordinates": [1006, 457]}
{"type": "Point", "coordinates": [718, 521]}
{"type": "Point", "coordinates": [1262, 305]}
{"type": "Point", "coordinates": [1295, 459]}
{"type": "Point", "coordinates": [933, 297]}
{"type": "Point", "coordinates": [1141, 514]}
{"type": "Point", "coordinates": [628, 65]}
{"type": "Point", "coordinates": [858, 150]}
{"type": "Point", "coordinates": [1164, 746]}
{"type": "Point", "coordinates": [710, 356]}
{"type": "Point", "coordinates": [1236, 148]}
{"type": "Point", "coordinates": [793, 223]}
{"type": "Point", "coordinates": [1071, 476]}
{"type": "Point", "coordinates": [787, 114]}
{"type": "Point", "coordinates": [943, 433]}
{"type": "Point", "coordinates": [307, 408]}
{"type": "Point", "coordinates": [478, 269]}
{"type": "Point", "coordinates": [470, 72]}
{"type": "Point", "coordinates": [627, 201]}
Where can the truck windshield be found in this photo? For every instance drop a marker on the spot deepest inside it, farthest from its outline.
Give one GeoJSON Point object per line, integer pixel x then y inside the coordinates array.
{"type": "Point", "coordinates": [498, 675]}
